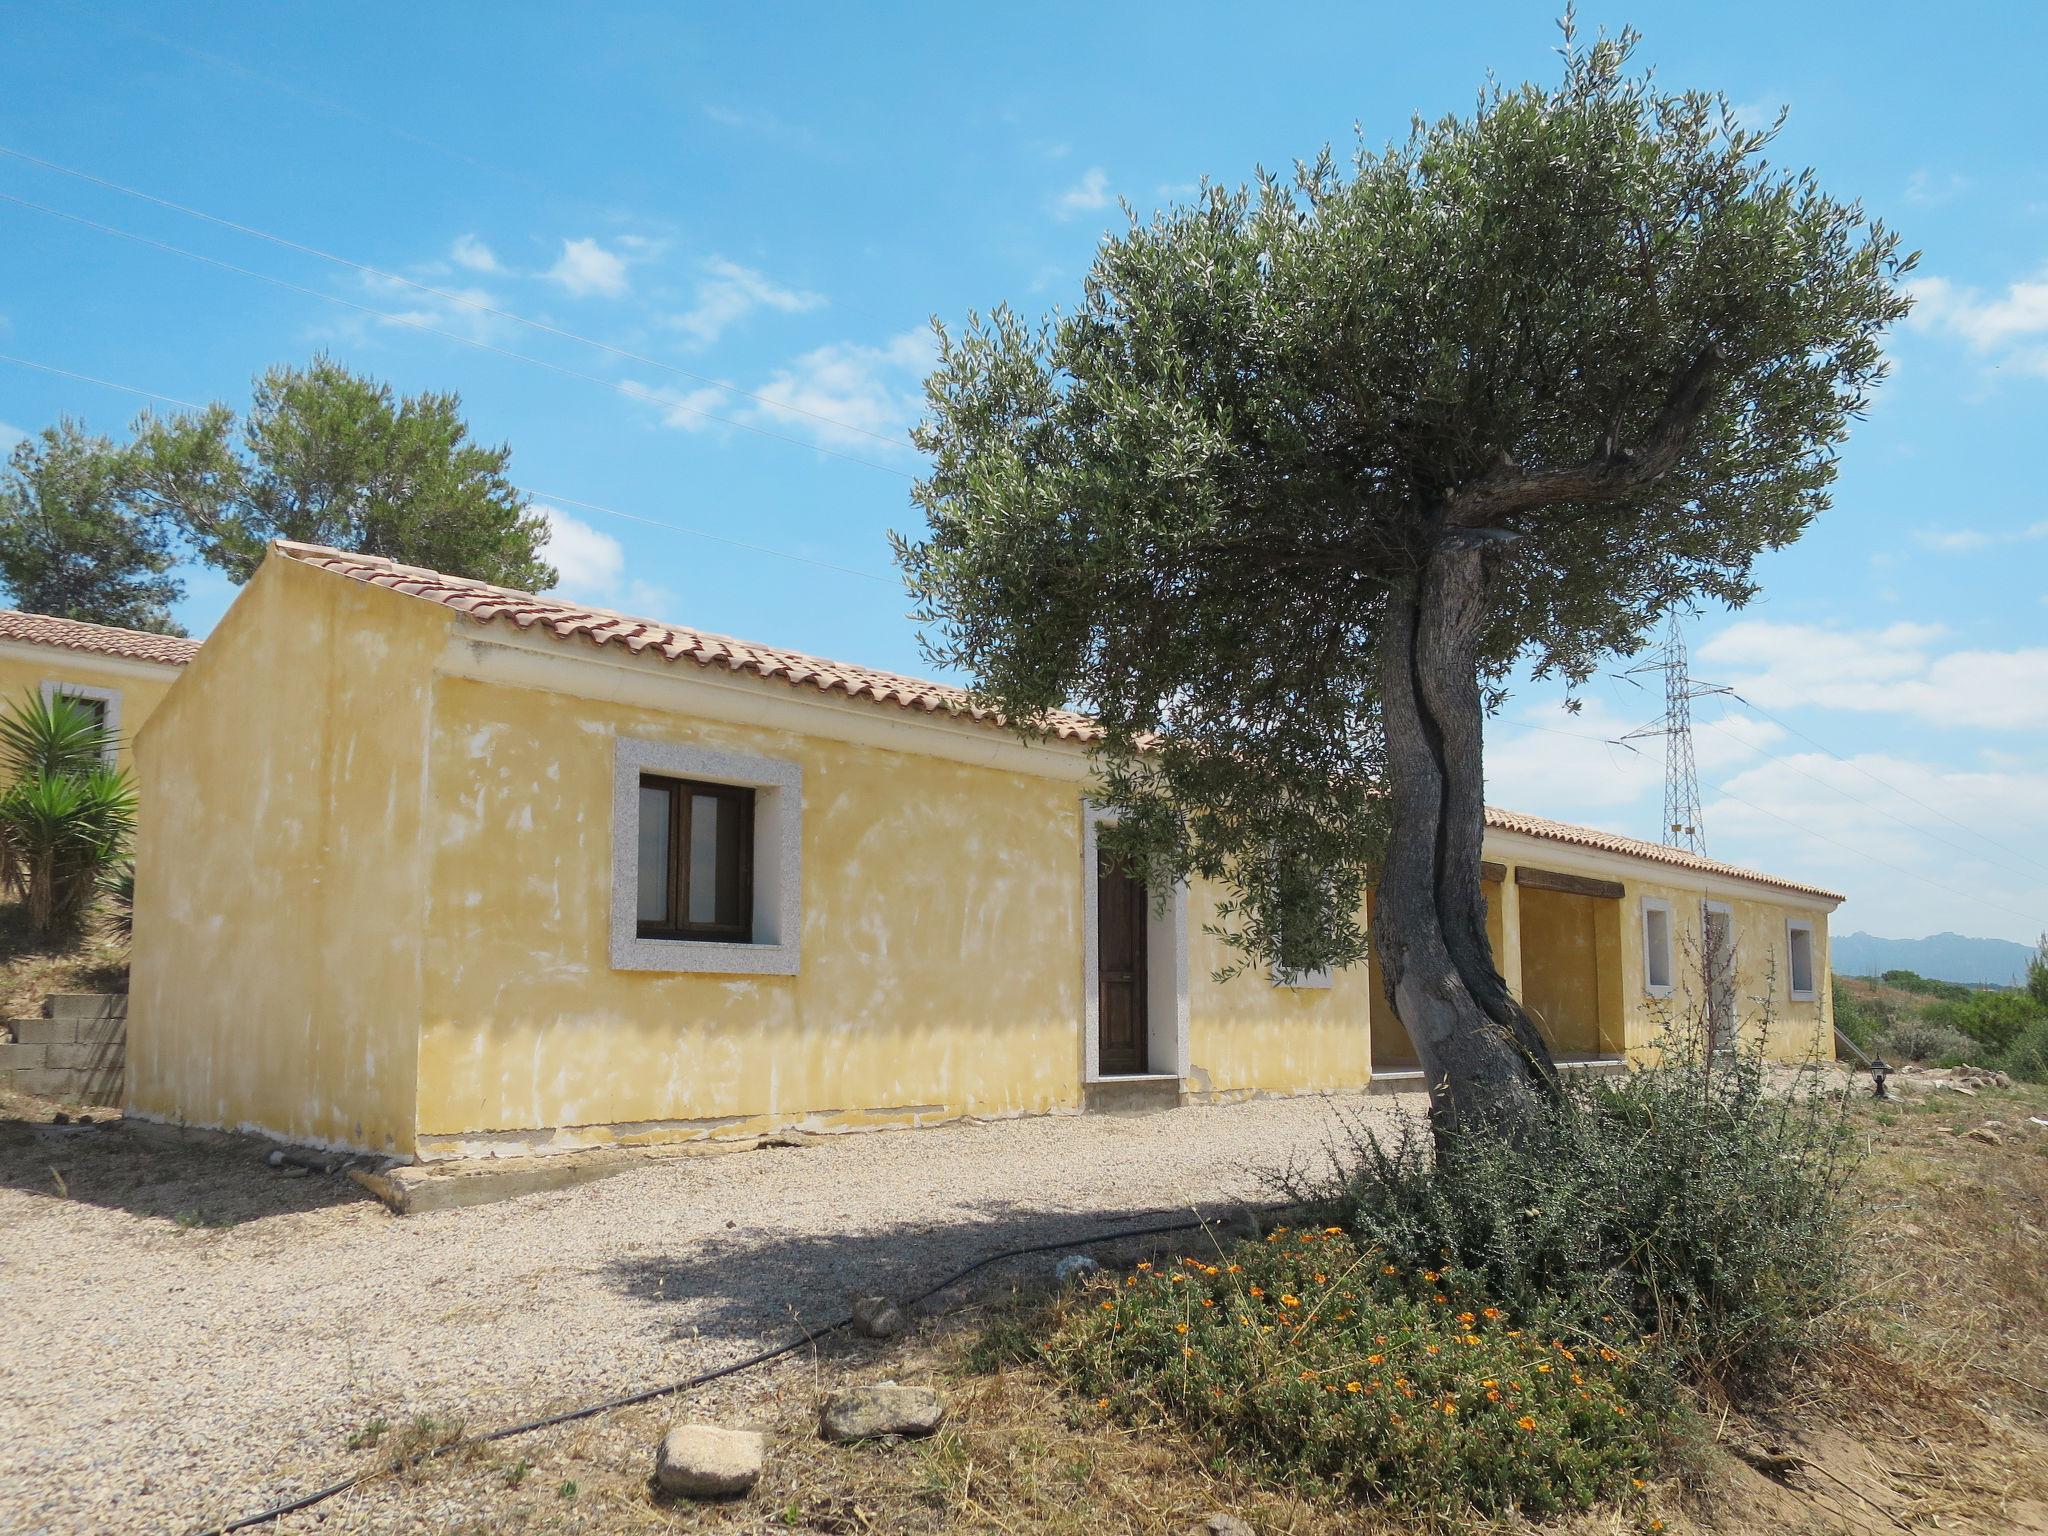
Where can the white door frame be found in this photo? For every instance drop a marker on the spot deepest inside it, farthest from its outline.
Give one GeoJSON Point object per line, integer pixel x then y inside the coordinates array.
{"type": "Point", "coordinates": [1166, 970]}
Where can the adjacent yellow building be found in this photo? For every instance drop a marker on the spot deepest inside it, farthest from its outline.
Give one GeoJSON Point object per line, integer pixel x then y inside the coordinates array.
{"type": "Point", "coordinates": [122, 674]}
{"type": "Point", "coordinates": [432, 868]}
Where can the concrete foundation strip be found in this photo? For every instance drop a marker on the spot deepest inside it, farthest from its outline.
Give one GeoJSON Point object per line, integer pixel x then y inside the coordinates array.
{"type": "Point", "coordinates": [703, 1378]}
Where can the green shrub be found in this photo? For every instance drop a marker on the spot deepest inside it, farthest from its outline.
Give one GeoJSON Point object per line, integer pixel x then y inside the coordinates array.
{"type": "Point", "coordinates": [1925, 986]}
{"type": "Point", "coordinates": [65, 817]}
{"type": "Point", "coordinates": [1995, 1019]}
{"type": "Point", "coordinates": [1322, 1364]}
{"type": "Point", "coordinates": [1693, 1198]}
{"type": "Point", "coordinates": [1916, 1039]}
{"type": "Point", "coordinates": [1856, 1017]}
{"type": "Point", "coordinates": [2026, 1056]}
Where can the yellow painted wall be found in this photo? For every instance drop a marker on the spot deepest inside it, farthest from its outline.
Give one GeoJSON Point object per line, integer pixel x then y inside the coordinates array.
{"type": "Point", "coordinates": [1764, 1005]}
{"type": "Point", "coordinates": [1571, 973]}
{"type": "Point", "coordinates": [280, 869]}
{"type": "Point", "coordinates": [940, 970]}
{"type": "Point", "coordinates": [1247, 1036]}
{"type": "Point", "coordinates": [24, 670]}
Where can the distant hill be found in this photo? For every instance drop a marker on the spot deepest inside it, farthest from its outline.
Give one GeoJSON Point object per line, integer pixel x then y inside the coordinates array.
{"type": "Point", "coordinates": [1944, 956]}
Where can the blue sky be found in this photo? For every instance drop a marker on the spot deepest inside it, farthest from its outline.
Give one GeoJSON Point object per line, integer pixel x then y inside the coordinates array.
{"type": "Point", "coordinates": [756, 211]}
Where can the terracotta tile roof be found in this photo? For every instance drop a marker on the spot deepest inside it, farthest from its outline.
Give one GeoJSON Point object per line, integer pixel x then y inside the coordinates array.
{"type": "Point", "coordinates": [672, 642]}
{"type": "Point", "coordinates": [572, 621]}
{"type": "Point", "coordinates": [100, 639]}
{"type": "Point", "coordinates": [1636, 848]}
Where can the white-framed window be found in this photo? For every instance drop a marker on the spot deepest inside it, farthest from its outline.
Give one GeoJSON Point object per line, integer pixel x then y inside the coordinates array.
{"type": "Point", "coordinates": [707, 860]}
{"type": "Point", "coordinates": [1658, 965]}
{"type": "Point", "coordinates": [104, 702]}
{"type": "Point", "coordinates": [1799, 959]}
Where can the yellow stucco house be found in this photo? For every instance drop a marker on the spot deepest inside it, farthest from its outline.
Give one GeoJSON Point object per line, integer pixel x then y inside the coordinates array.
{"type": "Point", "coordinates": [121, 674]}
{"type": "Point", "coordinates": [432, 868]}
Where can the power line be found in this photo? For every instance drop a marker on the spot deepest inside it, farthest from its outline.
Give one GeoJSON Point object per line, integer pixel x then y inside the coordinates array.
{"type": "Point", "coordinates": [592, 506]}
{"type": "Point", "coordinates": [630, 391]}
{"type": "Point", "coordinates": [716, 538]}
{"type": "Point", "coordinates": [1899, 869]}
{"type": "Point", "coordinates": [86, 378]}
{"type": "Point", "coordinates": [464, 300]}
{"type": "Point", "coordinates": [1884, 783]}
{"type": "Point", "coordinates": [1722, 789]}
{"type": "Point", "coordinates": [1786, 762]}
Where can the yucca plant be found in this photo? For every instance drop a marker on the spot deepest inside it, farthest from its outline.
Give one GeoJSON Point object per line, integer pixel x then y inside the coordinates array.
{"type": "Point", "coordinates": [66, 818]}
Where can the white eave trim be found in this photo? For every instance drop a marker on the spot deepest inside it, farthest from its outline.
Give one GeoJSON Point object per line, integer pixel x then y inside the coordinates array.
{"type": "Point", "coordinates": [37, 653]}
{"type": "Point", "coordinates": [1570, 858]}
{"type": "Point", "coordinates": [611, 673]}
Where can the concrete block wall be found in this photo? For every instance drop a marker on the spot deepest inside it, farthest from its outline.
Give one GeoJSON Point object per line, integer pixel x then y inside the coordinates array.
{"type": "Point", "coordinates": [76, 1052]}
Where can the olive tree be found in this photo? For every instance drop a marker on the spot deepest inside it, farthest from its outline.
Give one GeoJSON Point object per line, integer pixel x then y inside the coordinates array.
{"type": "Point", "coordinates": [1316, 462]}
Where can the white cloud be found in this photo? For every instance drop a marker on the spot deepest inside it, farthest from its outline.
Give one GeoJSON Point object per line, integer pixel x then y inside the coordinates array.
{"type": "Point", "coordinates": [1085, 196]}
{"type": "Point", "coordinates": [1956, 541]}
{"type": "Point", "coordinates": [473, 255]}
{"type": "Point", "coordinates": [1927, 188]}
{"type": "Point", "coordinates": [729, 292]}
{"type": "Point", "coordinates": [1863, 826]}
{"type": "Point", "coordinates": [841, 394]}
{"type": "Point", "coordinates": [460, 310]}
{"type": "Point", "coordinates": [591, 567]}
{"type": "Point", "coordinates": [2008, 329]}
{"type": "Point", "coordinates": [586, 268]}
{"type": "Point", "coordinates": [1895, 670]}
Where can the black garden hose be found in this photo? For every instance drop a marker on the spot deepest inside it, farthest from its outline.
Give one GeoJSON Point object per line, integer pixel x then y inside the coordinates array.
{"type": "Point", "coordinates": [591, 1410]}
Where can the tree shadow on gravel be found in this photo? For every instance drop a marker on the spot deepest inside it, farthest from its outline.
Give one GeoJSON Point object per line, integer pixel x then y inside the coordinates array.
{"type": "Point", "coordinates": [107, 1165]}
{"type": "Point", "coordinates": [722, 1284]}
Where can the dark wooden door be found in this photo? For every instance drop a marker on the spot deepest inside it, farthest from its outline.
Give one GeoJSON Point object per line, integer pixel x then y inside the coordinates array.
{"type": "Point", "coordinates": [1121, 909]}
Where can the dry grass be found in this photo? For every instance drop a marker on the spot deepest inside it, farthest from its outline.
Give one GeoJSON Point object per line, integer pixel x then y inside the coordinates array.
{"type": "Point", "coordinates": [94, 960]}
{"type": "Point", "coordinates": [1929, 1414]}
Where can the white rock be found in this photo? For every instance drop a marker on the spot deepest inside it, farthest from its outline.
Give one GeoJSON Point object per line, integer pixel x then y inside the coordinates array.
{"type": "Point", "coordinates": [869, 1413]}
{"type": "Point", "coordinates": [1075, 1266]}
{"type": "Point", "coordinates": [876, 1317]}
{"type": "Point", "coordinates": [706, 1461]}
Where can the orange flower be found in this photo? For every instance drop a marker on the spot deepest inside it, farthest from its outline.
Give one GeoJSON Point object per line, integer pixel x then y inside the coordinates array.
{"type": "Point", "coordinates": [1374, 1359]}
{"type": "Point", "coordinates": [1207, 1302]}
{"type": "Point", "coordinates": [1491, 1313]}
{"type": "Point", "coordinates": [1430, 1350]}
{"type": "Point", "coordinates": [1257, 1292]}
{"type": "Point", "coordinates": [1144, 1266]}
{"type": "Point", "coordinates": [1322, 1279]}
{"type": "Point", "coordinates": [1290, 1301]}
{"type": "Point", "coordinates": [1236, 1268]}
{"type": "Point", "coordinates": [1180, 1327]}
{"type": "Point", "coordinates": [1493, 1394]}
{"type": "Point", "coordinates": [1307, 1376]}
{"type": "Point", "coordinates": [1450, 1410]}
{"type": "Point", "coordinates": [1388, 1269]}
{"type": "Point", "coordinates": [1102, 1402]}
{"type": "Point", "coordinates": [1352, 1386]}
{"type": "Point", "coordinates": [1526, 1422]}
{"type": "Point", "coordinates": [1109, 1306]}
{"type": "Point", "coordinates": [1543, 1366]}
{"type": "Point", "coordinates": [1334, 1231]}
{"type": "Point", "coordinates": [1467, 1319]}
{"type": "Point", "coordinates": [1442, 1300]}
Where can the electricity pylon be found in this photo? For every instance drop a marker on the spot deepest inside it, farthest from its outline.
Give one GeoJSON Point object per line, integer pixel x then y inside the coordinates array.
{"type": "Point", "coordinates": [1682, 823]}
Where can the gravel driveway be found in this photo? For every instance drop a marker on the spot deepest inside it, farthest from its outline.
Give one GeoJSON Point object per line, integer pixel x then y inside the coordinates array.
{"type": "Point", "coordinates": [187, 1335]}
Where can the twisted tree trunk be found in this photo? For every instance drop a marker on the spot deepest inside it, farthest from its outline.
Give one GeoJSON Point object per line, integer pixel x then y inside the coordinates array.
{"type": "Point", "coordinates": [1482, 1057]}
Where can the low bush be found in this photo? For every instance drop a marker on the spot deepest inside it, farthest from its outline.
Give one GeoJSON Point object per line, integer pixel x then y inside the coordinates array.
{"type": "Point", "coordinates": [1915, 1039]}
{"type": "Point", "coordinates": [1331, 1368]}
{"type": "Point", "coordinates": [1994, 1019]}
{"type": "Point", "coordinates": [1697, 1199]}
{"type": "Point", "coordinates": [2026, 1055]}
{"type": "Point", "coordinates": [1926, 986]}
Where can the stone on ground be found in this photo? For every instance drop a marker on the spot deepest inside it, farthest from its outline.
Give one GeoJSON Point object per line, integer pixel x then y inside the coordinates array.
{"type": "Point", "coordinates": [705, 1461]}
{"type": "Point", "coordinates": [869, 1413]}
{"type": "Point", "coordinates": [1220, 1523]}
{"type": "Point", "coordinates": [876, 1317]}
{"type": "Point", "coordinates": [1989, 1138]}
